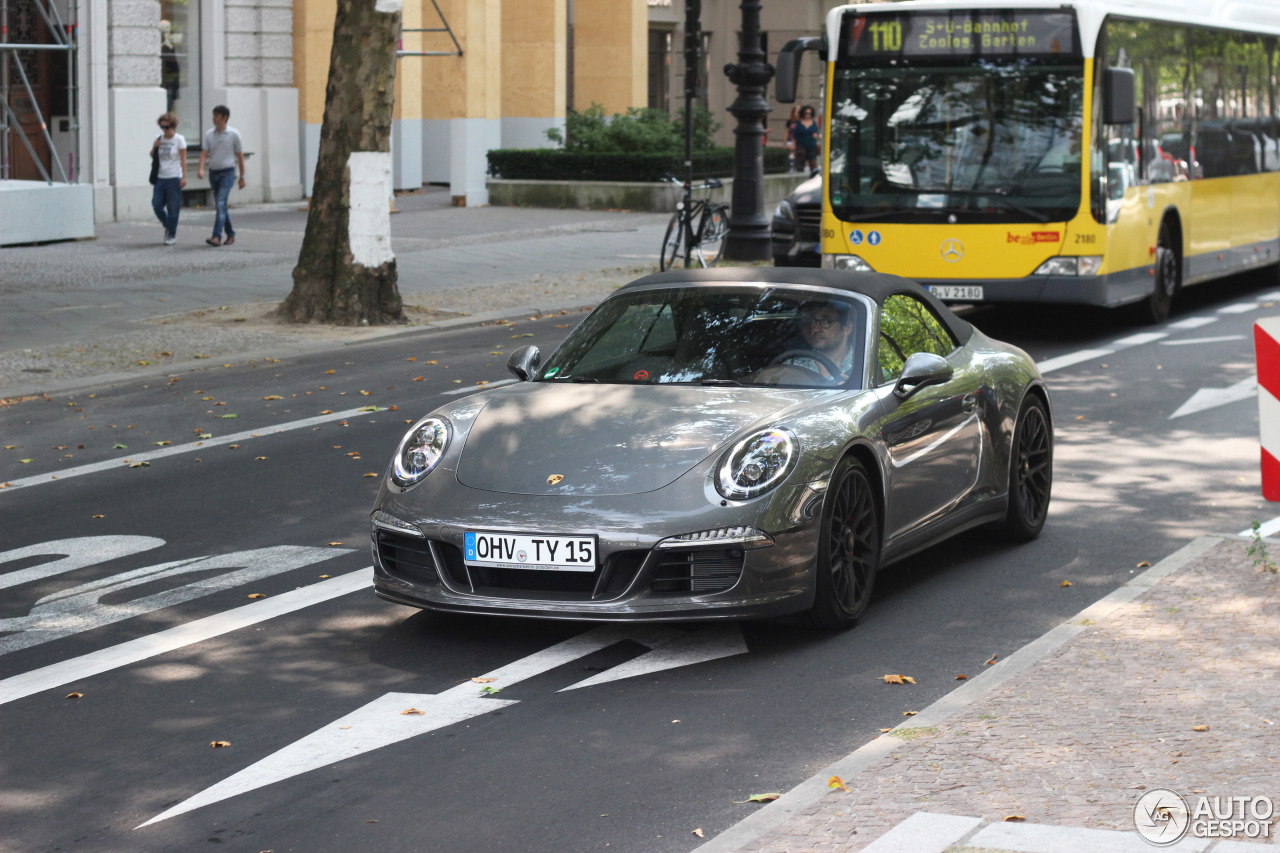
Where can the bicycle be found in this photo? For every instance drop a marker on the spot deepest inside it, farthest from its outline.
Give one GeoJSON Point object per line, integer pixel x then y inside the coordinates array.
{"type": "Point", "coordinates": [697, 229]}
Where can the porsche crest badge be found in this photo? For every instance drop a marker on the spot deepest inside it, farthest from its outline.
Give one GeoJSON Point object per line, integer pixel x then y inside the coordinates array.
{"type": "Point", "coordinates": [554, 479]}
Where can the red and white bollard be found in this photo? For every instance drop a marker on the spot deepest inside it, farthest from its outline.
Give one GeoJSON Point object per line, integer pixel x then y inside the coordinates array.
{"type": "Point", "coordinates": [1266, 344]}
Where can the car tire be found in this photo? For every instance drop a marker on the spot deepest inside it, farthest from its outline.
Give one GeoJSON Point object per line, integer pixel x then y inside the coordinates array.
{"type": "Point", "coordinates": [1030, 472]}
{"type": "Point", "coordinates": [848, 549]}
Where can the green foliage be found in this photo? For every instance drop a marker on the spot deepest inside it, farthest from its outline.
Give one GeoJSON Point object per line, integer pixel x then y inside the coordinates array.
{"type": "Point", "coordinates": [1258, 551]}
{"type": "Point", "coordinates": [635, 131]}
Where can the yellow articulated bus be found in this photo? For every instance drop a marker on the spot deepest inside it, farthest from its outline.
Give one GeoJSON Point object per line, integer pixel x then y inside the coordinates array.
{"type": "Point", "coordinates": [1101, 153]}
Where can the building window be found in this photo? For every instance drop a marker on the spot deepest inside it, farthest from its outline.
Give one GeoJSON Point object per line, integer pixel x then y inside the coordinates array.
{"type": "Point", "coordinates": [660, 69]}
{"type": "Point", "coordinates": [180, 65]}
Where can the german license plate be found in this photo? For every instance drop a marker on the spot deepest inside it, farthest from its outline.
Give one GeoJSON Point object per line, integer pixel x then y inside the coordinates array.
{"type": "Point", "coordinates": [957, 292]}
{"type": "Point", "coordinates": [529, 551]}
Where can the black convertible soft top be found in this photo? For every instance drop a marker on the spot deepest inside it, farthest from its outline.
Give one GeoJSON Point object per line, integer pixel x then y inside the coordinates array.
{"type": "Point", "coordinates": [874, 285]}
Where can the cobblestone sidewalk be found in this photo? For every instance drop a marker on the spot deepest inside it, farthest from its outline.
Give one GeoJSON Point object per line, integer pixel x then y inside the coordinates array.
{"type": "Point", "coordinates": [1178, 689]}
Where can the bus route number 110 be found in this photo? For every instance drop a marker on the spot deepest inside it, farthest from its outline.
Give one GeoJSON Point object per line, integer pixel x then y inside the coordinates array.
{"type": "Point", "coordinates": [886, 35]}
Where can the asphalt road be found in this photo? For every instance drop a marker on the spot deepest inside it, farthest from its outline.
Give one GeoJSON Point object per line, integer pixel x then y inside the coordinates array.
{"type": "Point", "coordinates": [632, 764]}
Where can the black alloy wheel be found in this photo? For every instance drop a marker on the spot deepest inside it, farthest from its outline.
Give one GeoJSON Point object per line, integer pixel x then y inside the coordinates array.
{"type": "Point", "coordinates": [1030, 472]}
{"type": "Point", "coordinates": [848, 549]}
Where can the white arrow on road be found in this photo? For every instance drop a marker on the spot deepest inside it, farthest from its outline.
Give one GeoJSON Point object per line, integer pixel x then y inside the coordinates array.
{"type": "Point", "coordinates": [383, 722]}
{"type": "Point", "coordinates": [1208, 398]}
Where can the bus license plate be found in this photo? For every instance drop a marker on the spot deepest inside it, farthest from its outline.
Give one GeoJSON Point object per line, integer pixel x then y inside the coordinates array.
{"type": "Point", "coordinates": [530, 551]}
{"type": "Point", "coordinates": [957, 292]}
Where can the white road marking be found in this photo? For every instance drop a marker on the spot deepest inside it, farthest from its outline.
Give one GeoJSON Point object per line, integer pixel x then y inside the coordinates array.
{"type": "Point", "coordinates": [471, 388]}
{"type": "Point", "coordinates": [76, 554]}
{"type": "Point", "coordinates": [1058, 362]}
{"type": "Point", "coordinates": [79, 609]}
{"type": "Point", "coordinates": [382, 721]}
{"type": "Point", "coordinates": [1139, 339]}
{"type": "Point", "coordinates": [1192, 322]}
{"type": "Point", "coordinates": [1211, 398]}
{"type": "Point", "coordinates": [1189, 341]}
{"type": "Point", "coordinates": [104, 660]}
{"type": "Point", "coordinates": [717, 641]}
{"type": "Point", "coordinates": [1240, 308]}
{"type": "Point", "coordinates": [1267, 528]}
{"type": "Point", "coordinates": [110, 464]}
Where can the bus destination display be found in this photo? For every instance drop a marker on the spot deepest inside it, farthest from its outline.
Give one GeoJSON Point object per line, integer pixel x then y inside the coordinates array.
{"type": "Point", "coordinates": [959, 34]}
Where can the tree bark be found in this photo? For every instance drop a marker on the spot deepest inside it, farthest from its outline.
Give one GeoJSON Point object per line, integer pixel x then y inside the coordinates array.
{"type": "Point", "coordinates": [346, 272]}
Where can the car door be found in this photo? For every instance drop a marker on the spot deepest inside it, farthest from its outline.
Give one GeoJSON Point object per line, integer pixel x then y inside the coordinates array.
{"type": "Point", "coordinates": [933, 437]}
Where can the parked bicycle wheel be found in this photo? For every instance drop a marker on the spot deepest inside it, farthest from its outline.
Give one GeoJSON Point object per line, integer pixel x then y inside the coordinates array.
{"type": "Point", "coordinates": [671, 244]}
{"type": "Point", "coordinates": [711, 235]}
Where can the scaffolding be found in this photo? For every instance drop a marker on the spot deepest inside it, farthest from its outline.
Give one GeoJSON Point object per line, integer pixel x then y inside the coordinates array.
{"type": "Point", "coordinates": [17, 66]}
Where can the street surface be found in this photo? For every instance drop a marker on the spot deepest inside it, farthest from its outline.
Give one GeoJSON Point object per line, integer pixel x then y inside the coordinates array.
{"type": "Point", "coordinates": [238, 682]}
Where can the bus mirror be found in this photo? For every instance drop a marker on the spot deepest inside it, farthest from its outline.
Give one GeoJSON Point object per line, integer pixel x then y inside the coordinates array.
{"type": "Point", "coordinates": [789, 64]}
{"type": "Point", "coordinates": [1118, 97]}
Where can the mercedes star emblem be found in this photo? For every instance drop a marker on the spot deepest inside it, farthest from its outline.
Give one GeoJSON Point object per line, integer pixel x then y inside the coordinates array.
{"type": "Point", "coordinates": [952, 250]}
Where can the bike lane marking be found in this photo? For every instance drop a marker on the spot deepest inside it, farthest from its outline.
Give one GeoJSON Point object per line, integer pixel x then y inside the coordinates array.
{"type": "Point", "coordinates": [104, 660]}
{"type": "Point", "coordinates": [204, 444]}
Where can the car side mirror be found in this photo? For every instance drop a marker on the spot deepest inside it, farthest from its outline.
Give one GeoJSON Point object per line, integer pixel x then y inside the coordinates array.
{"type": "Point", "coordinates": [921, 370]}
{"type": "Point", "coordinates": [523, 363]}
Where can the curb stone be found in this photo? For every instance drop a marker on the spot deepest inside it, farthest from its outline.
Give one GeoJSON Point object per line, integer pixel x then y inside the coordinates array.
{"type": "Point", "coordinates": [805, 797]}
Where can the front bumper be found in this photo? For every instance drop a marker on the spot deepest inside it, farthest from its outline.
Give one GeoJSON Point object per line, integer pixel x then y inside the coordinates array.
{"type": "Point", "coordinates": [1108, 290]}
{"type": "Point", "coordinates": [635, 579]}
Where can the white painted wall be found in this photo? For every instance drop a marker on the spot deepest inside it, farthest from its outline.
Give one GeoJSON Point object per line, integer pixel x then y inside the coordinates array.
{"type": "Point", "coordinates": [133, 128]}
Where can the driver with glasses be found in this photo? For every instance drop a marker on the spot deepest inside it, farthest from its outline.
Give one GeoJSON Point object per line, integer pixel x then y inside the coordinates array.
{"type": "Point", "coordinates": [825, 327]}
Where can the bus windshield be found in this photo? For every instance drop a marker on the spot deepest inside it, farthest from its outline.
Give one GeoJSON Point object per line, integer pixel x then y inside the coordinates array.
{"type": "Point", "coordinates": [990, 140]}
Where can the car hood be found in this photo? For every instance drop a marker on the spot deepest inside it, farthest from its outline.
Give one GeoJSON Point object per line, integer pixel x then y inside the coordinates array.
{"type": "Point", "coordinates": [606, 439]}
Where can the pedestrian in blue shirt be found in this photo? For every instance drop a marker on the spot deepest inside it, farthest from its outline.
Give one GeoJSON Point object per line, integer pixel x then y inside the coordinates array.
{"type": "Point", "coordinates": [807, 134]}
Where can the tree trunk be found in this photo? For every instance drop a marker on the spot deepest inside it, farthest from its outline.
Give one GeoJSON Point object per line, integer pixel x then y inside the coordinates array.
{"type": "Point", "coordinates": [346, 272]}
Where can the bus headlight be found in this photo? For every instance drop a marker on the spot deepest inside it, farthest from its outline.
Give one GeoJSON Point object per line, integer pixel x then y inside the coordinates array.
{"type": "Point", "coordinates": [852, 263]}
{"type": "Point", "coordinates": [1084, 265]}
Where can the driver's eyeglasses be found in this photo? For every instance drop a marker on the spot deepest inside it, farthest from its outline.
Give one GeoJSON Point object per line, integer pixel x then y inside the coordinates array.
{"type": "Point", "coordinates": [823, 322]}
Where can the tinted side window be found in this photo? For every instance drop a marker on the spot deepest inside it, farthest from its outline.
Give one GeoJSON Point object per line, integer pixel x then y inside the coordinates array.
{"type": "Point", "coordinates": [908, 326]}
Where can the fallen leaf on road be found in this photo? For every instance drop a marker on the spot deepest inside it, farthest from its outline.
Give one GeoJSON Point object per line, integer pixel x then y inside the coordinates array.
{"type": "Point", "coordinates": [1013, 818]}
{"type": "Point", "coordinates": [698, 832]}
{"type": "Point", "coordinates": [258, 458]}
{"type": "Point", "coordinates": [898, 679]}
{"type": "Point", "coordinates": [219, 744]}
{"type": "Point", "coordinates": [256, 595]}
{"type": "Point", "coordinates": [327, 412]}
{"type": "Point", "coordinates": [327, 372]}
{"type": "Point", "coordinates": [837, 782]}
{"type": "Point", "coordinates": [419, 379]}
{"type": "Point", "coordinates": [412, 358]}
{"type": "Point", "coordinates": [1199, 728]}
{"type": "Point", "coordinates": [909, 713]}
{"type": "Point", "coordinates": [758, 798]}
{"type": "Point", "coordinates": [961, 677]}
{"type": "Point", "coordinates": [142, 464]}
{"type": "Point", "coordinates": [430, 362]}
{"type": "Point", "coordinates": [885, 730]}
{"type": "Point", "coordinates": [371, 474]}
{"type": "Point", "coordinates": [229, 415]}
{"type": "Point", "coordinates": [991, 660]}
{"type": "Point", "coordinates": [163, 443]}
{"type": "Point", "coordinates": [411, 711]}
{"type": "Point", "coordinates": [76, 695]}
{"type": "Point", "coordinates": [335, 543]}
{"type": "Point", "coordinates": [119, 447]}
{"type": "Point", "coordinates": [324, 577]}
{"type": "Point", "coordinates": [233, 447]}
{"type": "Point", "coordinates": [1065, 583]}
{"type": "Point", "coordinates": [24, 461]}
{"type": "Point", "coordinates": [481, 680]}
{"type": "Point", "coordinates": [1144, 565]}
{"type": "Point", "coordinates": [99, 516]}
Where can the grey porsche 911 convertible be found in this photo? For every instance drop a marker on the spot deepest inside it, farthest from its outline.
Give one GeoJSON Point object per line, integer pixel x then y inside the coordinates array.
{"type": "Point", "coordinates": [721, 443]}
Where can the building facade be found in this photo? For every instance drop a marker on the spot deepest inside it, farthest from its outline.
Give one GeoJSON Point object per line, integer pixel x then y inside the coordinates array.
{"type": "Point", "coordinates": [472, 75]}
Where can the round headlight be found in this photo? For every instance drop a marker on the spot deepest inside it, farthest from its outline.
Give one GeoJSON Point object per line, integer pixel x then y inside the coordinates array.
{"type": "Point", "coordinates": [420, 450]}
{"type": "Point", "coordinates": [757, 463]}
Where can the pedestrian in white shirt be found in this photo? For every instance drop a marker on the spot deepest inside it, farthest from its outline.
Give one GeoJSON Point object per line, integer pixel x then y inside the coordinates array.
{"type": "Point", "coordinates": [166, 198]}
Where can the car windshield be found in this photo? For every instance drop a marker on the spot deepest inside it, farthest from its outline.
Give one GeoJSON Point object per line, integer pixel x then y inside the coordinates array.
{"type": "Point", "coordinates": [700, 335]}
{"type": "Point", "coordinates": [995, 140]}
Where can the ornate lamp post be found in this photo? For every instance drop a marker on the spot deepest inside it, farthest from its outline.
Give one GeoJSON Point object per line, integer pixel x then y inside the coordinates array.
{"type": "Point", "coordinates": [748, 238]}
